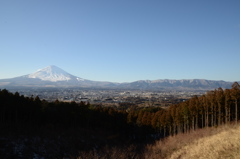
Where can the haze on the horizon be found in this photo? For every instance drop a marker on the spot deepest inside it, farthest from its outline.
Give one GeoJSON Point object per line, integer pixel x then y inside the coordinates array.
{"type": "Point", "coordinates": [122, 41]}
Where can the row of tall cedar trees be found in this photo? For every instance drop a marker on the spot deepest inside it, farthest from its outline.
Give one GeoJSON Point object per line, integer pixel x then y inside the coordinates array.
{"type": "Point", "coordinates": [211, 109]}
{"type": "Point", "coordinates": [214, 108]}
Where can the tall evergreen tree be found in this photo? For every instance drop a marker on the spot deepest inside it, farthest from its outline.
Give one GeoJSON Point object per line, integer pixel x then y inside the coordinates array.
{"type": "Point", "coordinates": [227, 103]}
{"type": "Point", "coordinates": [235, 92]}
{"type": "Point", "coordinates": [220, 101]}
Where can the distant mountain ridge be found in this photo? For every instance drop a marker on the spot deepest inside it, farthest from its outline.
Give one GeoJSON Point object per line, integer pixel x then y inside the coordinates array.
{"type": "Point", "coordinates": [190, 84]}
{"type": "Point", "coordinates": [53, 76]}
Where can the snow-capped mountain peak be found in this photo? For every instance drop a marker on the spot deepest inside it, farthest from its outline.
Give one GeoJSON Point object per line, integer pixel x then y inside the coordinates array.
{"type": "Point", "coordinates": [51, 73]}
{"type": "Point", "coordinates": [53, 76]}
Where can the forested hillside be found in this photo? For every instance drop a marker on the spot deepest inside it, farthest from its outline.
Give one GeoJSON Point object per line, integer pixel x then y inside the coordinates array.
{"type": "Point", "coordinates": [32, 127]}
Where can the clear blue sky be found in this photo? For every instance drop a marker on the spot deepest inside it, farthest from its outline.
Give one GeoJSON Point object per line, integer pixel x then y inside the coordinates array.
{"type": "Point", "coordinates": [122, 40]}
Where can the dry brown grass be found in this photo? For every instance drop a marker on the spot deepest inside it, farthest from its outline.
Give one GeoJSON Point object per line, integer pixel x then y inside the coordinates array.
{"type": "Point", "coordinates": [208, 143]}
{"type": "Point", "coordinates": [222, 145]}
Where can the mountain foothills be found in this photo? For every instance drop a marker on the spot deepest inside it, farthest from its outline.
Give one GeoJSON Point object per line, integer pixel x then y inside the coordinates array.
{"type": "Point", "coordinates": [53, 76]}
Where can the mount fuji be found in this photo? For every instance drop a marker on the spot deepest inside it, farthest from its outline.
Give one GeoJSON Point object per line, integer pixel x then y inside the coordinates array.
{"type": "Point", "coordinates": [53, 76]}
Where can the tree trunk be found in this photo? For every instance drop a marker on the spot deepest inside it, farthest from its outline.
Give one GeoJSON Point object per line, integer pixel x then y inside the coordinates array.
{"type": "Point", "coordinates": [229, 116]}
{"type": "Point", "coordinates": [226, 114]}
{"type": "Point", "coordinates": [206, 118]}
{"type": "Point", "coordinates": [164, 131]}
{"type": "Point", "coordinates": [196, 126]}
{"type": "Point", "coordinates": [219, 114]}
{"type": "Point", "coordinates": [174, 128]}
{"type": "Point", "coordinates": [215, 116]}
{"type": "Point", "coordinates": [193, 124]}
{"type": "Point", "coordinates": [236, 111]}
{"type": "Point", "coordinates": [212, 118]}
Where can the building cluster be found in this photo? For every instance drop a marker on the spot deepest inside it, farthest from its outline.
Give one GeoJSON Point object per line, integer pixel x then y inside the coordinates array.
{"type": "Point", "coordinates": [110, 96]}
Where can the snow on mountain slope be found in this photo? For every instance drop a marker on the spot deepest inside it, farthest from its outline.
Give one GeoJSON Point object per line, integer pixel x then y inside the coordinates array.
{"type": "Point", "coordinates": [53, 74]}
{"type": "Point", "coordinates": [56, 77]}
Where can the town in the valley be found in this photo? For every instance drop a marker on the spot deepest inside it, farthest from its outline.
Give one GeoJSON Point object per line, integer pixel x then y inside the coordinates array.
{"type": "Point", "coordinates": [109, 97]}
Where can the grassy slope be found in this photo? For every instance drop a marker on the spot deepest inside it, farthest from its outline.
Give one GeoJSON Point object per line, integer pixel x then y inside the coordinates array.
{"type": "Point", "coordinates": [207, 143]}
{"type": "Point", "coordinates": [212, 143]}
